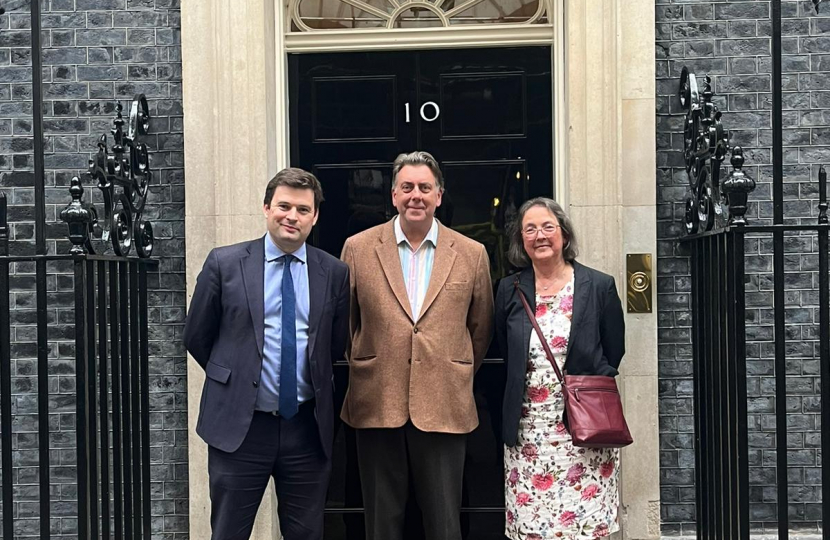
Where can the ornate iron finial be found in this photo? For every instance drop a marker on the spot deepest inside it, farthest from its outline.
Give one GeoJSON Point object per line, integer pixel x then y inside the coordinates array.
{"type": "Point", "coordinates": [736, 188]}
{"type": "Point", "coordinates": [78, 218]}
{"type": "Point", "coordinates": [124, 179]}
{"type": "Point", "coordinates": [4, 226]}
{"type": "Point", "coordinates": [705, 144]}
{"type": "Point", "coordinates": [822, 195]}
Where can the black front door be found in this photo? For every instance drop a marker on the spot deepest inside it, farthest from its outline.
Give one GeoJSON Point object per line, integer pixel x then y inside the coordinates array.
{"type": "Point", "coordinates": [485, 114]}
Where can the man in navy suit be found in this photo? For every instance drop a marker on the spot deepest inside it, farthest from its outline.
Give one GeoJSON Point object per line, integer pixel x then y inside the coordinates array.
{"type": "Point", "coordinates": [267, 319]}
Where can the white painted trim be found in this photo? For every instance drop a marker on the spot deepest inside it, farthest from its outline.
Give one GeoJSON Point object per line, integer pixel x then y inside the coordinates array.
{"type": "Point", "coordinates": [379, 39]}
{"type": "Point", "coordinates": [400, 10]}
{"type": "Point", "coordinates": [559, 69]}
{"type": "Point", "coordinates": [281, 111]}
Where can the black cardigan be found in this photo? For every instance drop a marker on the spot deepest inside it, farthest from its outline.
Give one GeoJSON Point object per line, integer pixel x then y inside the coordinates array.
{"type": "Point", "coordinates": [597, 340]}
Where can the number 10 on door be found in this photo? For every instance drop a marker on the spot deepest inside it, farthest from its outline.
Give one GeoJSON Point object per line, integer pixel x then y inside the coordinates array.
{"type": "Point", "coordinates": [433, 107]}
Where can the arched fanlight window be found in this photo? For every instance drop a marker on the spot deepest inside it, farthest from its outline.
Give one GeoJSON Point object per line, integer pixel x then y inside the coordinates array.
{"type": "Point", "coordinates": [317, 15]}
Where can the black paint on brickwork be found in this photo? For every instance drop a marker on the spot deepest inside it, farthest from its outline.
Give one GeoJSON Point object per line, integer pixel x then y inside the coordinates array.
{"type": "Point", "coordinates": [731, 42]}
{"type": "Point", "coordinates": [95, 53]}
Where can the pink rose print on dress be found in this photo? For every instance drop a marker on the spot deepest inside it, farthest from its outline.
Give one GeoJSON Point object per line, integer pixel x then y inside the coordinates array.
{"type": "Point", "coordinates": [590, 492]}
{"type": "Point", "coordinates": [559, 343]}
{"type": "Point", "coordinates": [574, 491]}
{"type": "Point", "coordinates": [575, 473]}
{"type": "Point", "coordinates": [601, 531]}
{"type": "Point", "coordinates": [567, 518]}
{"type": "Point", "coordinates": [607, 469]}
{"type": "Point", "coordinates": [529, 451]}
{"type": "Point", "coordinates": [514, 476]}
{"type": "Point", "coordinates": [542, 482]}
{"type": "Point", "coordinates": [538, 394]}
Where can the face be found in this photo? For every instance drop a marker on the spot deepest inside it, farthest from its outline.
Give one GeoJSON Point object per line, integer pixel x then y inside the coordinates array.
{"type": "Point", "coordinates": [542, 245]}
{"type": "Point", "coordinates": [290, 217]}
{"type": "Point", "coordinates": [416, 195]}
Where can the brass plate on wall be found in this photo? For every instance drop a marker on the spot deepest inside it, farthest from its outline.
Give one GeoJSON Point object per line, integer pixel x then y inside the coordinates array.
{"type": "Point", "coordinates": [639, 281]}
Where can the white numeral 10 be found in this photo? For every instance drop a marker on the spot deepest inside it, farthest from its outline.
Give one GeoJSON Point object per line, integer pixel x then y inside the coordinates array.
{"type": "Point", "coordinates": [436, 110]}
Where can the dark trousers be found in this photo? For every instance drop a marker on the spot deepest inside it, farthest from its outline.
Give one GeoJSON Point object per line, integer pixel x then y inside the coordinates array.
{"type": "Point", "coordinates": [291, 453]}
{"type": "Point", "coordinates": [391, 459]}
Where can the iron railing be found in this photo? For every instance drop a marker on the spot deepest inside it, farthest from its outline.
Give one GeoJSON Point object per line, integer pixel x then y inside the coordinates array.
{"type": "Point", "coordinates": [720, 395]}
{"type": "Point", "coordinates": [111, 350]}
{"type": "Point", "coordinates": [720, 377]}
{"type": "Point", "coordinates": [112, 408]}
{"type": "Point", "coordinates": [110, 318]}
{"type": "Point", "coordinates": [717, 235]}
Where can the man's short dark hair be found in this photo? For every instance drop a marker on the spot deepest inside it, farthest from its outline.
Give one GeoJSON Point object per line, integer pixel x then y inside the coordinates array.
{"type": "Point", "coordinates": [298, 179]}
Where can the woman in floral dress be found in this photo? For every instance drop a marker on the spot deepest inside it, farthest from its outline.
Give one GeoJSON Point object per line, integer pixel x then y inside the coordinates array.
{"type": "Point", "coordinates": [554, 490]}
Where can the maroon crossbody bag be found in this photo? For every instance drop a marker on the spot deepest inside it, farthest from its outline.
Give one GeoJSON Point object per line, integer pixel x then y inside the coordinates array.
{"type": "Point", "coordinates": [593, 408]}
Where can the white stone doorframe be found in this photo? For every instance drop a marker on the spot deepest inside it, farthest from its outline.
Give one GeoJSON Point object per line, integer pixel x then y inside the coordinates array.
{"type": "Point", "coordinates": [236, 138]}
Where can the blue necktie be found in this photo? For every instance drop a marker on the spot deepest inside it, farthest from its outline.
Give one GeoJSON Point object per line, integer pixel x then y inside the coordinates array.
{"type": "Point", "coordinates": [288, 346]}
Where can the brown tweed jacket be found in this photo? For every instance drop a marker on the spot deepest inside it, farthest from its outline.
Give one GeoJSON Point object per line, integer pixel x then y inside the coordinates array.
{"type": "Point", "coordinates": [400, 369]}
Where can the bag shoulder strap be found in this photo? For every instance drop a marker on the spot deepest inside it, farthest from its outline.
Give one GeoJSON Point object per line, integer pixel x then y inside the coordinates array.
{"type": "Point", "coordinates": [535, 324]}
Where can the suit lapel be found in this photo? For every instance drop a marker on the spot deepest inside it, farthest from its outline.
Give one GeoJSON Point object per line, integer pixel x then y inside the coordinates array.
{"type": "Point", "coordinates": [582, 290]}
{"type": "Point", "coordinates": [390, 261]}
{"type": "Point", "coordinates": [527, 284]}
{"type": "Point", "coordinates": [253, 275]}
{"type": "Point", "coordinates": [318, 277]}
{"type": "Point", "coordinates": [441, 266]}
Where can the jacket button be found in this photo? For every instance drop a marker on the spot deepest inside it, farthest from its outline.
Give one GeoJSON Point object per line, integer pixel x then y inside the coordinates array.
{"type": "Point", "coordinates": [409, 361]}
{"type": "Point", "coordinates": [415, 329]}
{"type": "Point", "coordinates": [256, 384]}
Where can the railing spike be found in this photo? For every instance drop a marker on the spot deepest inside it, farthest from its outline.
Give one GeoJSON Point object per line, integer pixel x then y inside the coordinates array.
{"type": "Point", "coordinates": [822, 195]}
{"type": "Point", "coordinates": [4, 226]}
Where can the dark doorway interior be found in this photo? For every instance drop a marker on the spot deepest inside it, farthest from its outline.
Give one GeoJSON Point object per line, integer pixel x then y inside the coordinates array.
{"type": "Point", "coordinates": [485, 114]}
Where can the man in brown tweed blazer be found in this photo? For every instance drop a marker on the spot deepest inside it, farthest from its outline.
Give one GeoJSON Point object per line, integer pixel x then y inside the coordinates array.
{"type": "Point", "coordinates": [421, 322]}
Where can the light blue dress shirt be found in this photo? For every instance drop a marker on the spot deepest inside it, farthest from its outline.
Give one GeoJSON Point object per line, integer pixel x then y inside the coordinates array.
{"type": "Point", "coordinates": [268, 395]}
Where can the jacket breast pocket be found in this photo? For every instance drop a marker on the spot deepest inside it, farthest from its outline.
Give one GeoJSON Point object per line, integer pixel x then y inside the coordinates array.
{"type": "Point", "coordinates": [458, 286]}
{"type": "Point", "coordinates": [218, 373]}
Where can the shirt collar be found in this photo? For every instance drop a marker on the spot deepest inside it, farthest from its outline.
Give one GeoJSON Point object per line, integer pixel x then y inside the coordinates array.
{"type": "Point", "coordinates": [432, 235]}
{"type": "Point", "coordinates": [273, 252]}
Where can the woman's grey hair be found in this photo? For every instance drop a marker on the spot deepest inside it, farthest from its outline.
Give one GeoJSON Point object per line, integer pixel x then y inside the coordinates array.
{"type": "Point", "coordinates": [516, 252]}
{"type": "Point", "coordinates": [419, 157]}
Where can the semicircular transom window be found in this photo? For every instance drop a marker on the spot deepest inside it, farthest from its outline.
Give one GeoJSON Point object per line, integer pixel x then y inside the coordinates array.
{"type": "Point", "coordinates": [316, 15]}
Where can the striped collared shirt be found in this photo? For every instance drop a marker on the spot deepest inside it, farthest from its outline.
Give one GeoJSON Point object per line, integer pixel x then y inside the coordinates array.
{"type": "Point", "coordinates": [416, 264]}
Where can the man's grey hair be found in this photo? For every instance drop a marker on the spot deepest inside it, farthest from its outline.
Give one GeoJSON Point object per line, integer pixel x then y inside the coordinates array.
{"type": "Point", "coordinates": [419, 157]}
{"type": "Point", "coordinates": [516, 253]}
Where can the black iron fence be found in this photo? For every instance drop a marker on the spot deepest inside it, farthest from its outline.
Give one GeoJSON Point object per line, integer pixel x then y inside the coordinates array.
{"type": "Point", "coordinates": [108, 315]}
{"type": "Point", "coordinates": [112, 421]}
{"type": "Point", "coordinates": [718, 231]}
{"type": "Point", "coordinates": [720, 376]}
{"type": "Point", "coordinates": [714, 219]}
{"type": "Point", "coordinates": [720, 396]}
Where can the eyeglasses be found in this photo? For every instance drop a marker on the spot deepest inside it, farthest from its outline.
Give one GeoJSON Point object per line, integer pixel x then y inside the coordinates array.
{"type": "Point", "coordinates": [548, 229]}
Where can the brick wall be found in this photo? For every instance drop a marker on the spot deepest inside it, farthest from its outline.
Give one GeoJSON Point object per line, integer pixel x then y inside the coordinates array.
{"type": "Point", "coordinates": [731, 42]}
{"type": "Point", "coordinates": [95, 52]}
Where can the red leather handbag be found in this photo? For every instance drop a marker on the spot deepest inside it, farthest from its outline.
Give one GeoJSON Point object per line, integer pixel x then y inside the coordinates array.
{"type": "Point", "coordinates": [593, 408]}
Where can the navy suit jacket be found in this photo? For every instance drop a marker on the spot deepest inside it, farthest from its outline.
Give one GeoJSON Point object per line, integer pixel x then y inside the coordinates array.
{"type": "Point", "coordinates": [595, 347]}
{"type": "Point", "coordinates": [225, 331]}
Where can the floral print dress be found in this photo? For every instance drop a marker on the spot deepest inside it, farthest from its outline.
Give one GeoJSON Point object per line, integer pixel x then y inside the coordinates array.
{"type": "Point", "coordinates": [554, 490]}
